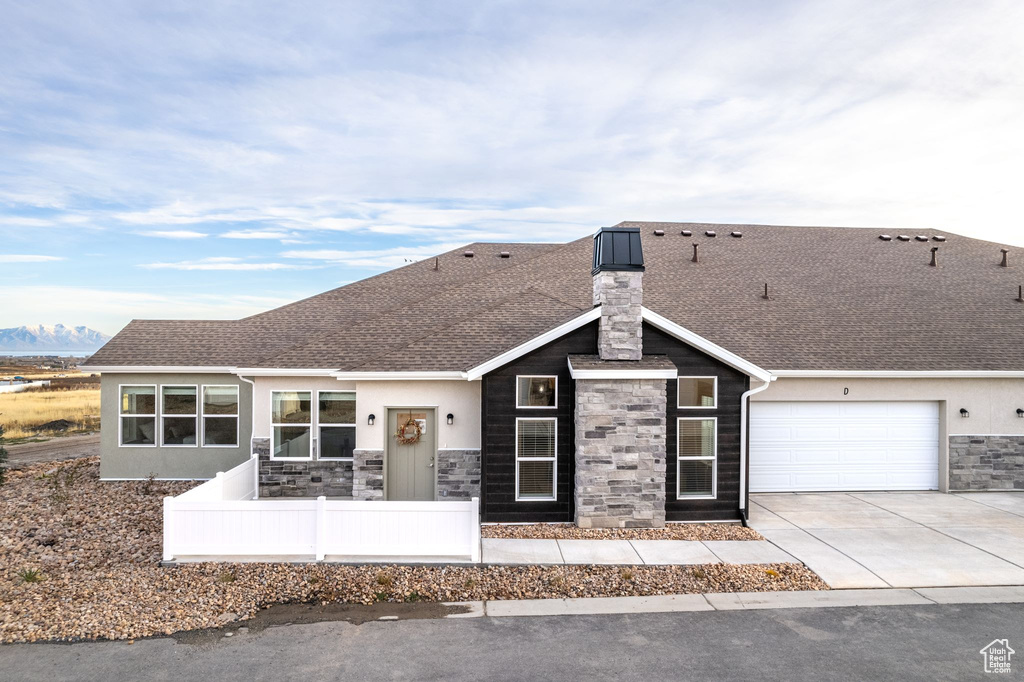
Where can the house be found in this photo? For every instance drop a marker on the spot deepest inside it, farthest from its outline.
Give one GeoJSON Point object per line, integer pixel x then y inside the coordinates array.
{"type": "Point", "coordinates": [655, 372]}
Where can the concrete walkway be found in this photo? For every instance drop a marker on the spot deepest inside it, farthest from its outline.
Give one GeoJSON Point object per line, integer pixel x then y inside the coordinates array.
{"type": "Point", "coordinates": [631, 552]}
{"type": "Point", "coordinates": [906, 539]}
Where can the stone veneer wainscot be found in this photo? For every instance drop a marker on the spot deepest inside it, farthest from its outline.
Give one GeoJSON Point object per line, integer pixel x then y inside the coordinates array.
{"type": "Point", "coordinates": [986, 462]}
{"type": "Point", "coordinates": [458, 474]}
{"type": "Point", "coordinates": [301, 478]}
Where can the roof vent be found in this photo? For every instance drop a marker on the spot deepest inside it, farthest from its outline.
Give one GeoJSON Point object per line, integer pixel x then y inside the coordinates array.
{"type": "Point", "coordinates": [885, 237]}
{"type": "Point", "coordinates": [921, 238]}
{"type": "Point", "coordinates": [505, 254]}
{"type": "Point", "coordinates": [686, 233]}
{"type": "Point", "coordinates": [903, 238]}
{"type": "Point", "coordinates": [1004, 252]}
{"type": "Point", "coordinates": [659, 233]}
{"type": "Point", "coordinates": [468, 254]}
{"type": "Point", "coordinates": [934, 251]}
{"type": "Point", "coordinates": [938, 238]}
{"type": "Point", "coordinates": [737, 234]}
{"type": "Point", "coordinates": [695, 259]}
{"type": "Point", "coordinates": [710, 233]}
{"type": "Point", "coordinates": [618, 248]}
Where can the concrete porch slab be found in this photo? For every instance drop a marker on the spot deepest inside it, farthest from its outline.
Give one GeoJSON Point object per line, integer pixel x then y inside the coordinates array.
{"type": "Point", "coordinates": [598, 552]}
{"type": "Point", "coordinates": [921, 557]}
{"type": "Point", "coordinates": [514, 551]}
{"type": "Point", "coordinates": [678, 552]}
{"type": "Point", "coordinates": [835, 568]}
{"type": "Point", "coordinates": [748, 552]}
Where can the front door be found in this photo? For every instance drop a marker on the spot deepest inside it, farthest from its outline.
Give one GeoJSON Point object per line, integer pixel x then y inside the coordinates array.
{"type": "Point", "coordinates": [411, 454]}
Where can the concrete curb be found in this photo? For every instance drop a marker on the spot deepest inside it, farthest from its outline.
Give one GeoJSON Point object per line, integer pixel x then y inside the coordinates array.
{"type": "Point", "coordinates": [733, 601]}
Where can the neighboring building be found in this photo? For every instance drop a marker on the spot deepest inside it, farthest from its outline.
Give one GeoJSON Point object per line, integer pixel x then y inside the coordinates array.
{"type": "Point", "coordinates": [659, 371]}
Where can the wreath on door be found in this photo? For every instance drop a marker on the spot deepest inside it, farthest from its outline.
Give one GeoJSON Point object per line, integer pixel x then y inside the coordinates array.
{"type": "Point", "coordinates": [409, 432]}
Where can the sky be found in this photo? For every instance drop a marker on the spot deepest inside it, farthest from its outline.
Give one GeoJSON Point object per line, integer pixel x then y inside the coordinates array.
{"type": "Point", "coordinates": [215, 159]}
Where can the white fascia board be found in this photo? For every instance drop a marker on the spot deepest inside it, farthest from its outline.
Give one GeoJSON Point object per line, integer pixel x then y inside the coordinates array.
{"type": "Point", "coordinates": [399, 376]}
{"type": "Point", "coordinates": [700, 343]}
{"type": "Point", "coordinates": [282, 372]}
{"type": "Point", "coordinates": [148, 369]}
{"type": "Point", "coordinates": [623, 373]}
{"type": "Point", "coordinates": [899, 374]}
{"type": "Point", "coordinates": [534, 343]}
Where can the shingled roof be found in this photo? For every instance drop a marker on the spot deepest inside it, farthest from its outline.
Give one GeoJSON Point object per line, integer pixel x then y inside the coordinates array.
{"type": "Point", "coordinates": [839, 299]}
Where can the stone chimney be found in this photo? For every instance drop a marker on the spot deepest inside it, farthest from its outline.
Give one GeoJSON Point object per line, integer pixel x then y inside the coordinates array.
{"type": "Point", "coordinates": [618, 288]}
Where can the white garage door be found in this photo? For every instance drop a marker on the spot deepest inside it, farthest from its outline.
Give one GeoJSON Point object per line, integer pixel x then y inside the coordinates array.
{"type": "Point", "coordinates": [843, 446]}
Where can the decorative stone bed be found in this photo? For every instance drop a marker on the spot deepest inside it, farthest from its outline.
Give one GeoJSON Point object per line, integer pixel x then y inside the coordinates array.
{"type": "Point", "coordinates": [79, 560]}
{"type": "Point", "coordinates": [674, 531]}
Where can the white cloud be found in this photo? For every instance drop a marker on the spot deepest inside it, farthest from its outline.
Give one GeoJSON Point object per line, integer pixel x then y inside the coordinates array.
{"type": "Point", "coordinates": [27, 258]}
{"type": "Point", "coordinates": [257, 234]}
{"type": "Point", "coordinates": [222, 263]}
{"type": "Point", "coordinates": [174, 234]}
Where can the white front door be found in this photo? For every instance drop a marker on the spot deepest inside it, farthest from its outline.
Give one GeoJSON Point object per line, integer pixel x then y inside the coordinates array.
{"type": "Point", "coordinates": [805, 446]}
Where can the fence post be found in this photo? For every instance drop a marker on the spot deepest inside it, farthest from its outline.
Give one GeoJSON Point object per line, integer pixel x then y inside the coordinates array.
{"type": "Point", "coordinates": [168, 528]}
{"type": "Point", "coordinates": [475, 533]}
{"type": "Point", "coordinates": [220, 485]}
{"type": "Point", "coordinates": [321, 527]}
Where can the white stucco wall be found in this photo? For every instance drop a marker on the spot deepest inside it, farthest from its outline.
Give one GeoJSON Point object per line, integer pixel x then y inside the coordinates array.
{"type": "Point", "coordinates": [460, 398]}
{"type": "Point", "coordinates": [992, 403]}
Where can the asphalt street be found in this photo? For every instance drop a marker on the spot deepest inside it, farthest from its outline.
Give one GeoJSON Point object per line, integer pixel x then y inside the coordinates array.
{"type": "Point", "coordinates": [861, 643]}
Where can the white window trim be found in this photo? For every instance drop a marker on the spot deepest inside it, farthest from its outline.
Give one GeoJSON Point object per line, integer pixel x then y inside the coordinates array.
{"type": "Point", "coordinates": [697, 407]}
{"type": "Point", "coordinates": [164, 415]}
{"type": "Point", "coordinates": [713, 459]}
{"type": "Point", "coordinates": [311, 424]}
{"type": "Point", "coordinates": [237, 416]}
{"type": "Point", "coordinates": [319, 428]}
{"type": "Point", "coordinates": [121, 415]}
{"type": "Point", "coordinates": [536, 376]}
{"type": "Point", "coordinates": [554, 460]}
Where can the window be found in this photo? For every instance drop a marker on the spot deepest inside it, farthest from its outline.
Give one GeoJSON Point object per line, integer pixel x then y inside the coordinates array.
{"type": "Point", "coordinates": [535, 458]}
{"type": "Point", "coordinates": [336, 413]}
{"type": "Point", "coordinates": [179, 411]}
{"type": "Point", "coordinates": [536, 392]}
{"type": "Point", "coordinates": [220, 416]}
{"type": "Point", "coordinates": [137, 411]}
{"type": "Point", "coordinates": [697, 392]}
{"type": "Point", "coordinates": [291, 418]}
{"type": "Point", "coordinates": [696, 457]}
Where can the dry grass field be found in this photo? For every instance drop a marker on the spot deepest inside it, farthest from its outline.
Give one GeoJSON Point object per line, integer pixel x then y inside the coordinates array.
{"type": "Point", "coordinates": [22, 413]}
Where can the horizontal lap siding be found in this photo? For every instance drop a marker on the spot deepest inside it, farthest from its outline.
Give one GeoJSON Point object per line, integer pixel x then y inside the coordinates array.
{"type": "Point", "coordinates": [499, 413]}
{"type": "Point", "coordinates": [731, 386]}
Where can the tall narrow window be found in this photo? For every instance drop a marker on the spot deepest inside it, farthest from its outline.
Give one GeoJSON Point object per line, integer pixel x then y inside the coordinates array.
{"type": "Point", "coordinates": [697, 392]}
{"type": "Point", "coordinates": [180, 414]}
{"type": "Point", "coordinates": [536, 453]}
{"type": "Point", "coordinates": [337, 422]}
{"type": "Point", "coordinates": [137, 410]}
{"type": "Point", "coordinates": [291, 418]}
{"type": "Point", "coordinates": [697, 458]}
{"type": "Point", "coordinates": [220, 416]}
{"type": "Point", "coordinates": [536, 392]}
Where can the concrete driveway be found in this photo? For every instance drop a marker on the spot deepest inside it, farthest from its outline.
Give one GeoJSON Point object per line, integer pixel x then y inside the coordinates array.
{"type": "Point", "coordinates": [905, 539]}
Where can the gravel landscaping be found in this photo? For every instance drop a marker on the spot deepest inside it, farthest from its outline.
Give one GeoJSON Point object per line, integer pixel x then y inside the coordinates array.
{"type": "Point", "coordinates": [79, 560]}
{"type": "Point", "coordinates": [674, 531]}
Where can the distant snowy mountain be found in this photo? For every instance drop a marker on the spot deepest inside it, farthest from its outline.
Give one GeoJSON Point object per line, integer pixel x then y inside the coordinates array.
{"type": "Point", "coordinates": [45, 337]}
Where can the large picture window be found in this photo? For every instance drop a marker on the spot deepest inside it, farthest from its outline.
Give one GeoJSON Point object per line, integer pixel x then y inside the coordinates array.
{"type": "Point", "coordinates": [336, 417]}
{"type": "Point", "coordinates": [696, 457]}
{"type": "Point", "coordinates": [536, 453]}
{"type": "Point", "coordinates": [697, 392]}
{"type": "Point", "coordinates": [536, 392]}
{"type": "Point", "coordinates": [291, 419]}
{"type": "Point", "coordinates": [137, 411]}
{"type": "Point", "coordinates": [220, 416]}
{"type": "Point", "coordinates": [180, 414]}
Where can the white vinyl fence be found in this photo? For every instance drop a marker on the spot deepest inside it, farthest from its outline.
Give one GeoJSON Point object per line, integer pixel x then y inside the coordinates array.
{"type": "Point", "coordinates": [219, 520]}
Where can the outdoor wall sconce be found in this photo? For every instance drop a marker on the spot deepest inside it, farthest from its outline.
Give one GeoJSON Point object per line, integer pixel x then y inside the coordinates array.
{"type": "Point", "coordinates": [1020, 413]}
{"type": "Point", "coordinates": [964, 413]}
{"type": "Point", "coordinates": [451, 419]}
{"type": "Point", "coordinates": [369, 420]}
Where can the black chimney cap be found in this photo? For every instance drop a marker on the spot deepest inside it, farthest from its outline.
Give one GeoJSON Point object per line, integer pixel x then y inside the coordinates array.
{"type": "Point", "coordinates": [618, 248]}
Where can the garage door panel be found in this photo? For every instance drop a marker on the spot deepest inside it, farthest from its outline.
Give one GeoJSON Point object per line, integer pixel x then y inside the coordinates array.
{"type": "Point", "coordinates": [804, 446]}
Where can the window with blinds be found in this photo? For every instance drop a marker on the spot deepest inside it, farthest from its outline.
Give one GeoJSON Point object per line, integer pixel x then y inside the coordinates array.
{"type": "Point", "coordinates": [536, 453]}
{"type": "Point", "coordinates": [696, 457]}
